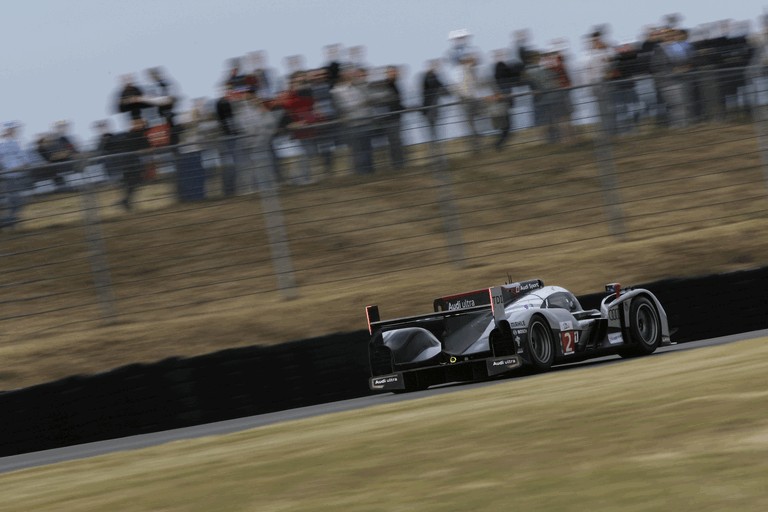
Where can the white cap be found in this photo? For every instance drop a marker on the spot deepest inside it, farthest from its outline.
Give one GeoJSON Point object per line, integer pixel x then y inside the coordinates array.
{"type": "Point", "coordinates": [457, 34]}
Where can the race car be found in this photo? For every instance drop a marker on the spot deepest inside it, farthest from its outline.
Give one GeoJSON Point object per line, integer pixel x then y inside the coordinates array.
{"type": "Point", "coordinates": [498, 330]}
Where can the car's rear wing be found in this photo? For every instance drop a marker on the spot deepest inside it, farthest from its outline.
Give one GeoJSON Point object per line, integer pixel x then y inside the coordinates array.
{"type": "Point", "coordinates": [465, 300]}
{"type": "Point", "coordinates": [493, 298]}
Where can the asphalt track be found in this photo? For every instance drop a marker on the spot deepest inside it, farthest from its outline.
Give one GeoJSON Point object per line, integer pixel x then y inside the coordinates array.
{"type": "Point", "coordinates": [82, 451]}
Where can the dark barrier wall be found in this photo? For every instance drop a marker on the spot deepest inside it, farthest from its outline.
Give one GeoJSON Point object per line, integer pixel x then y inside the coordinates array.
{"type": "Point", "coordinates": [180, 392]}
{"type": "Point", "coordinates": [709, 306]}
{"type": "Point", "coordinates": [234, 383]}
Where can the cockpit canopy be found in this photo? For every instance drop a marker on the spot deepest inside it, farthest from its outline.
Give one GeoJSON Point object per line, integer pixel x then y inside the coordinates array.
{"type": "Point", "coordinates": [562, 300]}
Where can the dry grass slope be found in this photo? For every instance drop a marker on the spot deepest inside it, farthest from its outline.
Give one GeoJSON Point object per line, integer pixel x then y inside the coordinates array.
{"type": "Point", "coordinates": [195, 278]}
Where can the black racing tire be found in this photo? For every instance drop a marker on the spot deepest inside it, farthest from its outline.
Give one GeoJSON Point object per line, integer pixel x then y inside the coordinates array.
{"type": "Point", "coordinates": [540, 345]}
{"type": "Point", "coordinates": [644, 328]}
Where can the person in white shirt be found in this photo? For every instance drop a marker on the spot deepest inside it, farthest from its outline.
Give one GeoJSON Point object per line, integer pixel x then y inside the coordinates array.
{"type": "Point", "coordinates": [258, 125]}
{"type": "Point", "coordinates": [13, 172]}
{"type": "Point", "coordinates": [350, 98]}
{"type": "Point", "coordinates": [597, 73]}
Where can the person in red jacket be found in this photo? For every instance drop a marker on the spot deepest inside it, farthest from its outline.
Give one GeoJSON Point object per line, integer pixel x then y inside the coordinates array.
{"type": "Point", "coordinates": [299, 106]}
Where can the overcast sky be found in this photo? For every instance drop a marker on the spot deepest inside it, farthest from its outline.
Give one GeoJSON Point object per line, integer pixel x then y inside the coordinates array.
{"type": "Point", "coordinates": [62, 58]}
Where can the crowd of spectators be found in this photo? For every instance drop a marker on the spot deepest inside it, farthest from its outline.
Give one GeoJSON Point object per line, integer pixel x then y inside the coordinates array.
{"type": "Point", "coordinates": [672, 75]}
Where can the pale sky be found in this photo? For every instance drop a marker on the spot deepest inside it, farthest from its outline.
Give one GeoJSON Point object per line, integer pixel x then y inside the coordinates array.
{"type": "Point", "coordinates": [62, 58]}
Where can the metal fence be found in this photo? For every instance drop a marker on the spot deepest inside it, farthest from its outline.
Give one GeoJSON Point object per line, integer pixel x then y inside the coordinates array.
{"type": "Point", "coordinates": [629, 161]}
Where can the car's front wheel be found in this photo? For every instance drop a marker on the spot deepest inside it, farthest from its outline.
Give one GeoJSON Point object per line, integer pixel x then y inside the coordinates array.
{"type": "Point", "coordinates": [644, 328]}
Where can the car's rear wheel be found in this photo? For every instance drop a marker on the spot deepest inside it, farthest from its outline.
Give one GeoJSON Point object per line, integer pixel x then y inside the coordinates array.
{"type": "Point", "coordinates": [540, 344]}
{"type": "Point", "coordinates": [644, 328]}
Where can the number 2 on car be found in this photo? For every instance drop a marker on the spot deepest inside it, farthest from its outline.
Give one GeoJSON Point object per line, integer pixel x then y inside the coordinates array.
{"type": "Point", "coordinates": [569, 339]}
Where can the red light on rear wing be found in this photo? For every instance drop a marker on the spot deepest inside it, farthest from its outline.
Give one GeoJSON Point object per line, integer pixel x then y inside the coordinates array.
{"type": "Point", "coordinates": [372, 315]}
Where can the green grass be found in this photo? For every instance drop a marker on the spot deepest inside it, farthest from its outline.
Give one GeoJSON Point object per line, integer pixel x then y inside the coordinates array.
{"type": "Point", "coordinates": [682, 431]}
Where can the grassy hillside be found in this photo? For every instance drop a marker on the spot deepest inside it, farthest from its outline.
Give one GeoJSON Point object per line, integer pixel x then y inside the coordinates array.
{"type": "Point", "coordinates": [195, 278]}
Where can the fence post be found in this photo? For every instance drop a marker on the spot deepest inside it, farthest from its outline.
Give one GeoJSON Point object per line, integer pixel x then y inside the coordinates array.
{"type": "Point", "coordinates": [274, 224]}
{"type": "Point", "coordinates": [605, 161]}
{"type": "Point", "coordinates": [448, 210]}
{"type": "Point", "coordinates": [97, 253]}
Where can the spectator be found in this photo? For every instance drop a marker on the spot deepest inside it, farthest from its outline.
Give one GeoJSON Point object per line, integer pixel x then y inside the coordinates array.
{"type": "Point", "coordinates": [598, 70]}
{"type": "Point", "coordinates": [624, 70]}
{"type": "Point", "coordinates": [267, 83]}
{"type": "Point", "coordinates": [294, 64]}
{"type": "Point", "coordinates": [231, 149]}
{"type": "Point", "coordinates": [238, 83]}
{"type": "Point", "coordinates": [468, 87]}
{"type": "Point", "coordinates": [599, 57]}
{"type": "Point", "coordinates": [224, 113]}
{"type": "Point", "coordinates": [505, 77]}
{"type": "Point", "coordinates": [522, 46]}
{"type": "Point", "coordinates": [461, 45]}
{"type": "Point", "coordinates": [127, 149]}
{"type": "Point", "coordinates": [163, 95]}
{"type": "Point", "coordinates": [258, 125]}
{"type": "Point", "coordinates": [105, 142]}
{"type": "Point", "coordinates": [554, 60]}
{"type": "Point", "coordinates": [350, 98]}
{"type": "Point", "coordinates": [327, 133]}
{"type": "Point", "coordinates": [387, 103]}
{"type": "Point", "coordinates": [737, 55]}
{"type": "Point", "coordinates": [200, 119]}
{"type": "Point", "coordinates": [58, 150]}
{"type": "Point", "coordinates": [669, 64]}
{"type": "Point", "coordinates": [131, 98]}
{"type": "Point", "coordinates": [432, 89]}
{"type": "Point", "coordinates": [190, 169]}
{"type": "Point", "coordinates": [13, 175]}
{"type": "Point", "coordinates": [299, 106]}
{"type": "Point", "coordinates": [543, 84]}
{"type": "Point", "coordinates": [131, 145]}
{"type": "Point", "coordinates": [333, 63]}
{"type": "Point", "coordinates": [654, 105]}
{"type": "Point", "coordinates": [759, 65]}
{"type": "Point", "coordinates": [356, 57]}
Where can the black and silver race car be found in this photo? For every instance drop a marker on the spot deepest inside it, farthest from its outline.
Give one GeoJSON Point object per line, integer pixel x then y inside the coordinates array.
{"type": "Point", "coordinates": [497, 330]}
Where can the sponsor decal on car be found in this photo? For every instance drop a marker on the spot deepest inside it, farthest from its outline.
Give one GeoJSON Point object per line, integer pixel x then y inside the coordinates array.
{"type": "Point", "coordinates": [393, 381]}
{"type": "Point", "coordinates": [528, 286]}
{"type": "Point", "coordinates": [503, 364]}
{"type": "Point", "coordinates": [614, 338]}
{"type": "Point", "coordinates": [566, 326]}
{"type": "Point", "coordinates": [386, 380]}
{"type": "Point", "coordinates": [568, 340]}
{"type": "Point", "coordinates": [461, 304]}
